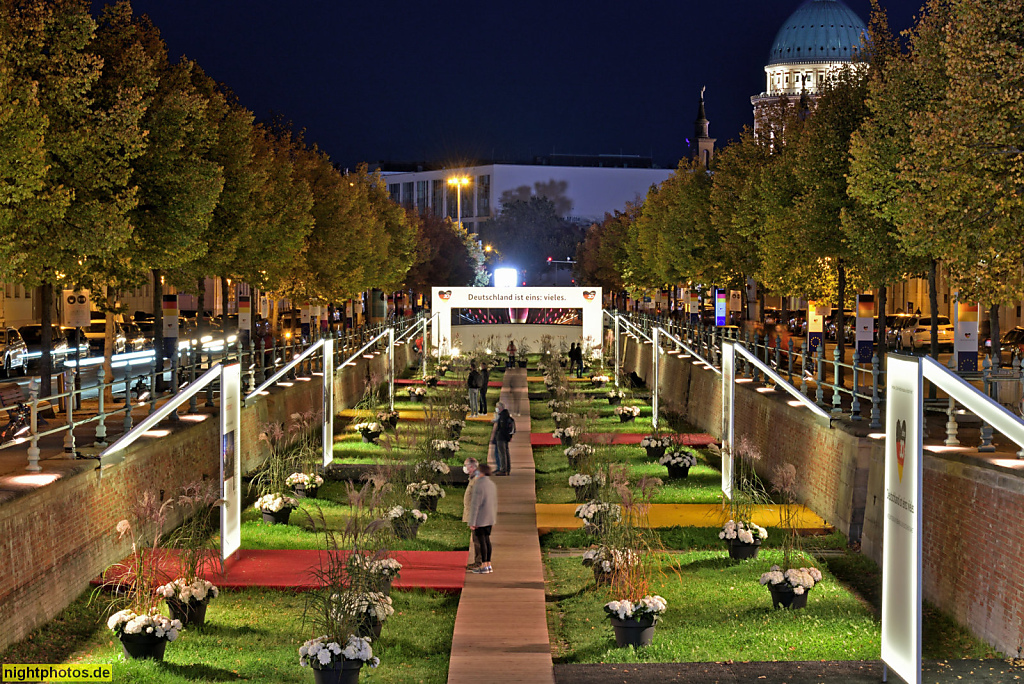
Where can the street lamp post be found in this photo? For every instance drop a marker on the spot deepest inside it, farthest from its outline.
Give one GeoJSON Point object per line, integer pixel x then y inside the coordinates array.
{"type": "Point", "coordinates": [459, 182]}
{"type": "Point", "coordinates": [567, 260]}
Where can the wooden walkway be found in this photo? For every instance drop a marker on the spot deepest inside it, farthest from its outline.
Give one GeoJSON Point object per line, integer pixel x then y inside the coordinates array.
{"type": "Point", "coordinates": [501, 633]}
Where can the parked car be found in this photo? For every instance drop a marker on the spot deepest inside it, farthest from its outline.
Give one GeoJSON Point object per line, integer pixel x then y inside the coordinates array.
{"type": "Point", "coordinates": [33, 337]}
{"type": "Point", "coordinates": [14, 352]}
{"type": "Point", "coordinates": [136, 338]}
{"type": "Point", "coordinates": [894, 325]}
{"type": "Point", "coordinates": [1012, 341]}
{"type": "Point", "coordinates": [96, 334]}
{"type": "Point", "coordinates": [833, 318]}
{"type": "Point", "coordinates": [917, 332]}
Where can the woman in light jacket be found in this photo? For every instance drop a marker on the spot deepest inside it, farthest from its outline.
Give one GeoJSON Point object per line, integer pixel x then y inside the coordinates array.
{"type": "Point", "coordinates": [483, 513]}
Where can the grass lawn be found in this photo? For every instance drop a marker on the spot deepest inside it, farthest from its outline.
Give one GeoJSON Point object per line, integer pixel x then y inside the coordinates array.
{"type": "Point", "coordinates": [607, 421]}
{"type": "Point", "coordinates": [251, 635]}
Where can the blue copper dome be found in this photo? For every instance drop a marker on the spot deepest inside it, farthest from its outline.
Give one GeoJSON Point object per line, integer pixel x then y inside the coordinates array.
{"type": "Point", "coordinates": [819, 31]}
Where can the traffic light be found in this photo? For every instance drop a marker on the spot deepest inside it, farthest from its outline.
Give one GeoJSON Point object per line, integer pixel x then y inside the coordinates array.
{"type": "Point", "coordinates": [549, 260]}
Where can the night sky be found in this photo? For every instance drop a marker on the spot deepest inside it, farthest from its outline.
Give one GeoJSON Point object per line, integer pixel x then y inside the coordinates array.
{"type": "Point", "coordinates": [460, 81]}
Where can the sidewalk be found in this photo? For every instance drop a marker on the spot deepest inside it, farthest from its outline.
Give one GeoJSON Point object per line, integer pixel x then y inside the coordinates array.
{"type": "Point", "coordinates": [501, 632]}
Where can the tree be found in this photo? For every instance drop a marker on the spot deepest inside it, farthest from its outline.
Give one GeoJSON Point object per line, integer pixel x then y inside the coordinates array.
{"type": "Point", "coordinates": [604, 247]}
{"type": "Point", "coordinates": [527, 232]}
{"type": "Point", "coordinates": [442, 255]}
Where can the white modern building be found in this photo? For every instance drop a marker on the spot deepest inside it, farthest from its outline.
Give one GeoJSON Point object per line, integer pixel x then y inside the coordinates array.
{"type": "Point", "coordinates": [580, 193]}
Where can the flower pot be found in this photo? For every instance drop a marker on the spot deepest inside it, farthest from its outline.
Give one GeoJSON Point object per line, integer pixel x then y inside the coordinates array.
{"type": "Point", "coordinates": [391, 422]}
{"type": "Point", "coordinates": [633, 633]}
{"type": "Point", "coordinates": [597, 383]}
{"type": "Point", "coordinates": [676, 472]}
{"type": "Point", "coordinates": [574, 462]}
{"type": "Point", "coordinates": [415, 398]}
{"type": "Point", "coordinates": [428, 503]}
{"type": "Point", "coordinates": [370, 437]}
{"type": "Point", "coordinates": [369, 627]}
{"type": "Point", "coordinates": [560, 423]}
{"type": "Point", "coordinates": [143, 646]}
{"type": "Point", "coordinates": [626, 417]}
{"type": "Point", "coordinates": [654, 453]}
{"type": "Point", "coordinates": [191, 614]}
{"type": "Point", "coordinates": [277, 517]}
{"type": "Point", "coordinates": [740, 551]}
{"type": "Point", "coordinates": [561, 363]}
{"type": "Point", "coordinates": [457, 415]}
{"type": "Point", "coordinates": [432, 383]}
{"type": "Point", "coordinates": [567, 441]}
{"type": "Point", "coordinates": [784, 597]}
{"type": "Point", "coordinates": [404, 529]}
{"type": "Point", "coordinates": [614, 401]}
{"type": "Point", "coordinates": [441, 372]}
{"type": "Point", "coordinates": [602, 578]}
{"type": "Point", "coordinates": [383, 586]}
{"type": "Point", "coordinates": [340, 672]}
{"type": "Point", "coordinates": [595, 526]}
{"type": "Point", "coordinates": [585, 493]}
{"type": "Point", "coordinates": [445, 453]}
{"type": "Point", "coordinates": [454, 433]}
{"type": "Point", "coordinates": [304, 492]}
{"type": "Point", "coordinates": [522, 364]}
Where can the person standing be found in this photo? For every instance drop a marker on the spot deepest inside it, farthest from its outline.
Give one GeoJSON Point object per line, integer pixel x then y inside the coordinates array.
{"type": "Point", "coordinates": [500, 436]}
{"type": "Point", "coordinates": [579, 360]}
{"type": "Point", "coordinates": [473, 385]}
{"type": "Point", "coordinates": [485, 378]}
{"type": "Point", "coordinates": [483, 513]}
{"type": "Point", "coordinates": [470, 467]}
{"type": "Point", "coordinates": [511, 350]}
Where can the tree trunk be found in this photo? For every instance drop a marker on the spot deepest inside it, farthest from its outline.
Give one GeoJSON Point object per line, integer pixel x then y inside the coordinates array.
{"type": "Point", "coordinates": [200, 297]}
{"type": "Point", "coordinates": [46, 359]}
{"type": "Point", "coordinates": [841, 318]}
{"type": "Point", "coordinates": [783, 322]}
{"type": "Point", "coordinates": [883, 295]}
{"type": "Point", "coordinates": [224, 287]}
{"type": "Point", "coordinates": [994, 334]}
{"type": "Point", "coordinates": [933, 306]}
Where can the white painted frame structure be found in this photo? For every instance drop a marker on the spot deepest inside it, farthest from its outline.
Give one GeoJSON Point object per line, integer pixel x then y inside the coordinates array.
{"type": "Point", "coordinates": [444, 299]}
{"type": "Point", "coordinates": [904, 504]}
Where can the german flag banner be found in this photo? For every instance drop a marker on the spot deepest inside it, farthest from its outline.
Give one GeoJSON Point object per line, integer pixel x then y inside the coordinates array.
{"type": "Point", "coordinates": [170, 313]}
{"type": "Point", "coordinates": [244, 312]}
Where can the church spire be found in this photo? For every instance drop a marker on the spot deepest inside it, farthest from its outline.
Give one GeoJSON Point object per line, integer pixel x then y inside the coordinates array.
{"type": "Point", "coordinates": [705, 144]}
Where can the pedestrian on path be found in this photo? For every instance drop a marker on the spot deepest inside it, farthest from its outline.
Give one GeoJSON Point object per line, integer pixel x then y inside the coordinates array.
{"type": "Point", "coordinates": [485, 375]}
{"type": "Point", "coordinates": [471, 467]}
{"type": "Point", "coordinates": [473, 385]}
{"type": "Point", "coordinates": [483, 513]}
{"type": "Point", "coordinates": [511, 350]}
{"type": "Point", "coordinates": [501, 434]}
{"type": "Point", "coordinates": [572, 357]}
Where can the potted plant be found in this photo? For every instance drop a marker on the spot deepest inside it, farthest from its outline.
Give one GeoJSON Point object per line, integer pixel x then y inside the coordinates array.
{"type": "Point", "coordinates": [655, 445]}
{"type": "Point", "coordinates": [453, 428]}
{"type": "Point", "coordinates": [634, 622]}
{"type": "Point", "coordinates": [427, 493]}
{"type": "Point", "coordinates": [304, 485]}
{"type": "Point", "coordinates": [607, 562]}
{"type": "Point", "coordinates": [559, 405]}
{"type": "Point", "coordinates": [679, 461]}
{"type": "Point", "coordinates": [445, 448]}
{"type": "Point", "coordinates": [275, 507]}
{"type": "Point", "coordinates": [458, 411]}
{"type": "Point", "coordinates": [405, 522]}
{"type": "Point", "coordinates": [388, 418]}
{"type": "Point", "coordinates": [441, 369]}
{"type": "Point", "coordinates": [369, 609]}
{"type": "Point", "coordinates": [378, 568]}
{"type": "Point", "coordinates": [524, 349]}
{"type": "Point", "coordinates": [744, 538]}
{"type": "Point", "coordinates": [416, 394]}
{"type": "Point", "coordinates": [615, 397]}
{"type": "Point", "coordinates": [560, 419]}
{"type": "Point", "coordinates": [789, 589]}
{"type": "Point", "coordinates": [578, 454]}
{"type": "Point", "coordinates": [627, 414]}
{"type": "Point", "coordinates": [599, 380]}
{"type": "Point", "coordinates": [566, 435]}
{"type": "Point", "coordinates": [369, 430]}
{"type": "Point", "coordinates": [586, 485]}
{"type": "Point", "coordinates": [597, 515]}
{"type": "Point", "coordinates": [142, 630]}
{"type": "Point", "coordinates": [432, 469]}
{"type": "Point", "coordinates": [430, 380]}
{"type": "Point", "coordinates": [333, 663]}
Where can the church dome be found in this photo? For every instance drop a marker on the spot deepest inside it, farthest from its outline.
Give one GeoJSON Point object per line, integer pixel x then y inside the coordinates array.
{"type": "Point", "coordinates": [819, 31]}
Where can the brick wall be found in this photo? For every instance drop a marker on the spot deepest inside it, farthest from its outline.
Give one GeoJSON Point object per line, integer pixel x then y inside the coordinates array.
{"type": "Point", "coordinates": [973, 510]}
{"type": "Point", "coordinates": [55, 538]}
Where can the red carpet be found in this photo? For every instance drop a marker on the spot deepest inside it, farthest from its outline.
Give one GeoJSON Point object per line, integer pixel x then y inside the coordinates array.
{"type": "Point", "coordinates": [697, 440]}
{"type": "Point", "coordinates": [410, 381]}
{"type": "Point", "coordinates": [290, 569]}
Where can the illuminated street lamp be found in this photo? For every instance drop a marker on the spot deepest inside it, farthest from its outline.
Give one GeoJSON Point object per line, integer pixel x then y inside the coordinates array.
{"type": "Point", "coordinates": [459, 182]}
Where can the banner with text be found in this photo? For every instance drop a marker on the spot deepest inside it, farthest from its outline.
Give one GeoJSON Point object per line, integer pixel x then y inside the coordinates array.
{"type": "Point", "coordinates": [965, 340]}
{"type": "Point", "coordinates": [815, 326]}
{"type": "Point", "coordinates": [865, 327]}
{"type": "Point", "coordinates": [721, 308]}
{"type": "Point", "coordinates": [230, 463]}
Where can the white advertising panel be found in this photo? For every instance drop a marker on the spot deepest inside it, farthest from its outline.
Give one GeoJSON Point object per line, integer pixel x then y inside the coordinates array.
{"type": "Point", "coordinates": [328, 401]}
{"type": "Point", "coordinates": [76, 309]}
{"type": "Point", "coordinates": [901, 548]}
{"type": "Point", "coordinates": [735, 300]}
{"type": "Point", "coordinates": [587, 299]}
{"type": "Point", "coordinates": [230, 461]}
{"type": "Point", "coordinates": [728, 420]}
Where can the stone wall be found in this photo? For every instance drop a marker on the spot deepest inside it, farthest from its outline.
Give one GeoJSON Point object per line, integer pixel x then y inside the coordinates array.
{"type": "Point", "coordinates": [973, 509]}
{"type": "Point", "coordinates": [55, 538]}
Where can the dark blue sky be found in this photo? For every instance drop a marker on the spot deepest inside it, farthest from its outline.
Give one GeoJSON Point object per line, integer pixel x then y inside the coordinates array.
{"type": "Point", "coordinates": [446, 82]}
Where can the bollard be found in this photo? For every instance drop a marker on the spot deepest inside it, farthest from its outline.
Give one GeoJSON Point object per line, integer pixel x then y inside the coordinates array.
{"type": "Point", "coordinates": [855, 405]}
{"type": "Point", "coordinates": [251, 384]}
{"type": "Point", "coordinates": [101, 425]}
{"type": "Point", "coordinates": [876, 414]}
{"type": "Point", "coordinates": [986, 445]}
{"type": "Point", "coordinates": [837, 399]}
{"type": "Point", "coordinates": [951, 425]}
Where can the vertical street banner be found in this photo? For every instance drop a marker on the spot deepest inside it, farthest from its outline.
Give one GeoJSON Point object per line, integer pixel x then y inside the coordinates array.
{"type": "Point", "coordinates": [75, 312]}
{"type": "Point", "coordinates": [865, 327]}
{"type": "Point", "coordinates": [245, 313]}
{"type": "Point", "coordinates": [328, 402]}
{"type": "Point", "coordinates": [815, 326]}
{"type": "Point", "coordinates": [901, 544]}
{"type": "Point", "coordinates": [735, 301]}
{"type": "Point", "coordinates": [694, 307]}
{"type": "Point", "coordinates": [305, 311]}
{"type": "Point", "coordinates": [721, 305]}
{"type": "Point", "coordinates": [230, 463]}
{"type": "Point", "coordinates": [728, 415]}
{"type": "Point", "coordinates": [170, 316]}
{"type": "Point", "coordinates": [965, 340]}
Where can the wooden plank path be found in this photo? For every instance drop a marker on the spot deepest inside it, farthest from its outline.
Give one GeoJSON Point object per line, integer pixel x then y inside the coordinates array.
{"type": "Point", "coordinates": [501, 633]}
